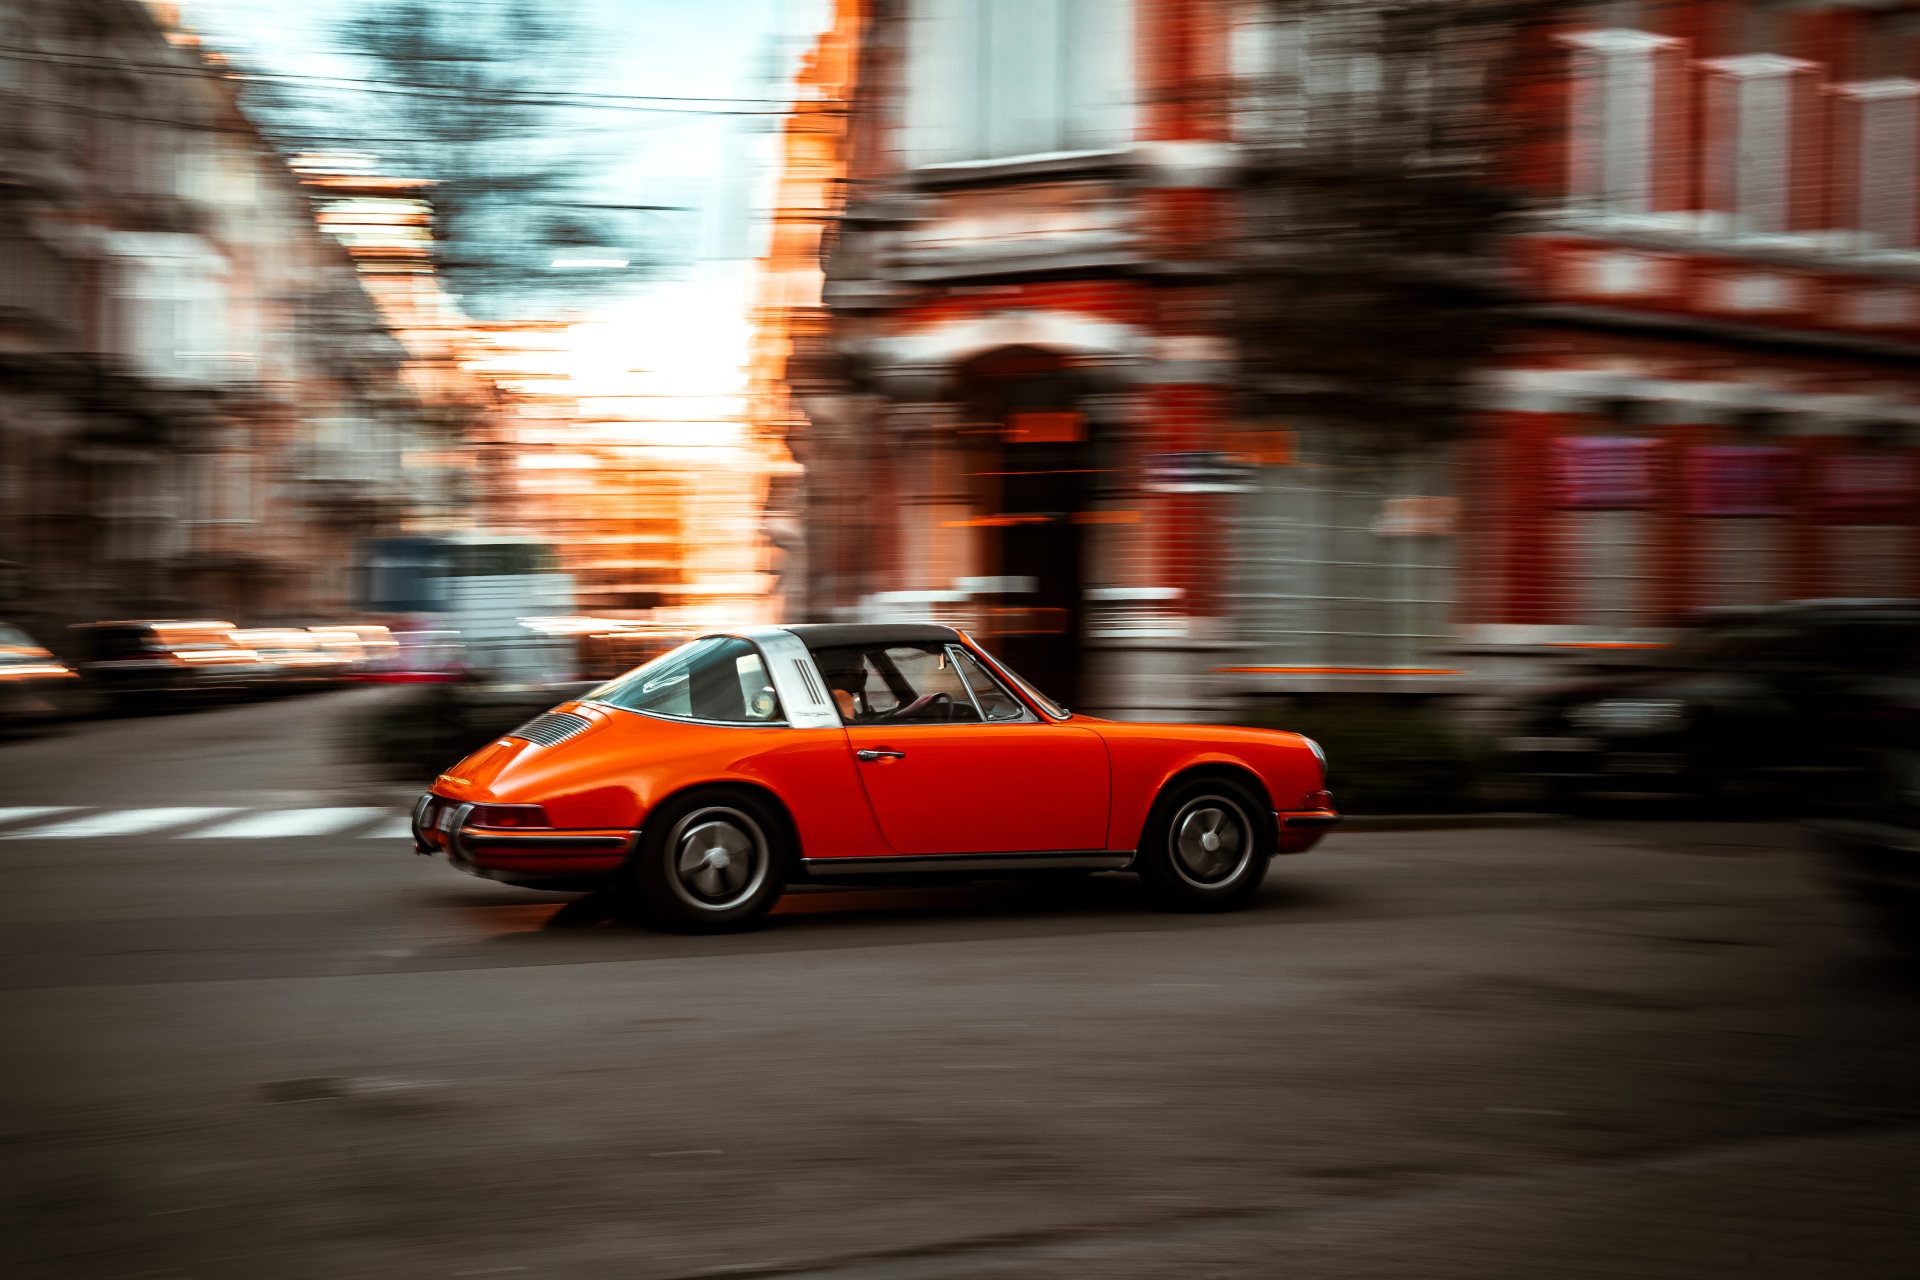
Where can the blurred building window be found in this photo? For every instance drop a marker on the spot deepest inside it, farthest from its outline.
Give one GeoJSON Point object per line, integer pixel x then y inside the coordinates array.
{"type": "Point", "coordinates": [1605, 566]}
{"type": "Point", "coordinates": [1320, 575]}
{"type": "Point", "coordinates": [237, 489]}
{"type": "Point", "coordinates": [1863, 497]}
{"type": "Point", "coordinates": [1604, 485]}
{"type": "Point", "coordinates": [1269, 61]}
{"type": "Point", "coordinates": [1755, 106]}
{"type": "Point", "coordinates": [1739, 560]}
{"type": "Point", "coordinates": [996, 79]}
{"type": "Point", "coordinates": [1744, 494]}
{"type": "Point", "coordinates": [1319, 74]}
{"type": "Point", "coordinates": [1621, 80]}
{"type": "Point", "coordinates": [1878, 131]}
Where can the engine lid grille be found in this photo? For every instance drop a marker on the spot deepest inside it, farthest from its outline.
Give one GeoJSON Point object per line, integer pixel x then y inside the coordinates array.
{"type": "Point", "coordinates": [551, 728]}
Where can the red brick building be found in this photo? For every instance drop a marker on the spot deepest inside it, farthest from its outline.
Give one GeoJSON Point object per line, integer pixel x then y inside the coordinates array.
{"type": "Point", "coordinates": [1712, 398]}
{"type": "Point", "coordinates": [1052, 398]}
{"type": "Point", "coordinates": [1011, 420]}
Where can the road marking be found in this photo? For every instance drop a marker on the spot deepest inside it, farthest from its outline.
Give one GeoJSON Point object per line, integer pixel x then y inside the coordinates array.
{"type": "Point", "coordinates": [22, 812]}
{"type": "Point", "coordinates": [398, 829]}
{"type": "Point", "coordinates": [282, 823]}
{"type": "Point", "coordinates": [122, 822]}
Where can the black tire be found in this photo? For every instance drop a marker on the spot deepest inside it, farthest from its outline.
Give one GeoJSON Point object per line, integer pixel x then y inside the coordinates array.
{"type": "Point", "coordinates": [710, 861]}
{"type": "Point", "coordinates": [1180, 872]}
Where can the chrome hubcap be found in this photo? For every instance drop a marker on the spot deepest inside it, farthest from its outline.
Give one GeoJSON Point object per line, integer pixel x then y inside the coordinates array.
{"type": "Point", "coordinates": [1212, 842]}
{"type": "Point", "coordinates": [719, 858]}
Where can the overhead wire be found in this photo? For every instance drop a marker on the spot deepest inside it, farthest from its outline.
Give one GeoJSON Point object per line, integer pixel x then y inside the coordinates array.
{"type": "Point", "coordinates": [556, 99]}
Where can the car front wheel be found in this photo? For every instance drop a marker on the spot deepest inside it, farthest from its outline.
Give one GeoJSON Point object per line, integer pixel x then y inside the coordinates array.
{"type": "Point", "coordinates": [1206, 846]}
{"type": "Point", "coordinates": [710, 861]}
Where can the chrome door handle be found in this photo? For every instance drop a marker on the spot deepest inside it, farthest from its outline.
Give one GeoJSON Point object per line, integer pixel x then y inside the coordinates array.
{"type": "Point", "coordinates": [884, 753]}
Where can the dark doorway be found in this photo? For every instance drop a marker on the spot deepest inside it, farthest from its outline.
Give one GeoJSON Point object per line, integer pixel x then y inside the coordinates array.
{"type": "Point", "coordinates": [1034, 476]}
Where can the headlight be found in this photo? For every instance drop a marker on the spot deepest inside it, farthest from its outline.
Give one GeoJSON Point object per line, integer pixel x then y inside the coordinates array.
{"type": "Point", "coordinates": [1629, 715]}
{"type": "Point", "coordinates": [1318, 754]}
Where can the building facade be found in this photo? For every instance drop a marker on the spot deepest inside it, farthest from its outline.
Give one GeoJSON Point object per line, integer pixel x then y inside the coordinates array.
{"type": "Point", "coordinates": [1015, 411]}
{"type": "Point", "coordinates": [1205, 350]}
{"type": "Point", "coordinates": [1712, 393]}
{"type": "Point", "coordinates": [200, 409]}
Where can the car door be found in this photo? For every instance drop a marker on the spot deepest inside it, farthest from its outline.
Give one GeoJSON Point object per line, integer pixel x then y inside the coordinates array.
{"type": "Point", "coordinates": [973, 783]}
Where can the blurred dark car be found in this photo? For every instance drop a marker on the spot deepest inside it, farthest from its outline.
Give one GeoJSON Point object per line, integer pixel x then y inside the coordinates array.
{"type": "Point", "coordinates": [36, 688]}
{"type": "Point", "coordinates": [1869, 834]}
{"type": "Point", "coordinates": [1761, 709]}
{"type": "Point", "coordinates": [160, 664]}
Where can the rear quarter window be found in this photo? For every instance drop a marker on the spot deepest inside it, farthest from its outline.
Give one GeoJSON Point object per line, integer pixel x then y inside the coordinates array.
{"type": "Point", "coordinates": [717, 678]}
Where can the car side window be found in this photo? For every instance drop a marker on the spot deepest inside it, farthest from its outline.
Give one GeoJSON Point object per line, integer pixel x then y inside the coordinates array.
{"type": "Point", "coordinates": [721, 678]}
{"type": "Point", "coordinates": [997, 704]}
{"type": "Point", "coordinates": [901, 684]}
{"type": "Point", "coordinates": [939, 693]}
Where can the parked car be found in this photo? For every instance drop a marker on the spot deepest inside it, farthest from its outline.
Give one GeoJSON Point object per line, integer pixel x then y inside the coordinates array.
{"type": "Point", "coordinates": [35, 687]}
{"type": "Point", "coordinates": [704, 782]}
{"type": "Point", "coordinates": [141, 664]}
{"type": "Point", "coordinates": [1761, 707]}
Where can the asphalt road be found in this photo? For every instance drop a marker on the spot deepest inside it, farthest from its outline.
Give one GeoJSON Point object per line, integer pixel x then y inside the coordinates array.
{"type": "Point", "coordinates": [1586, 1049]}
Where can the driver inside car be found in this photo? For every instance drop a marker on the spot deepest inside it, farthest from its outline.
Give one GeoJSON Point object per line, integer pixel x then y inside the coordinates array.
{"type": "Point", "coordinates": [846, 677]}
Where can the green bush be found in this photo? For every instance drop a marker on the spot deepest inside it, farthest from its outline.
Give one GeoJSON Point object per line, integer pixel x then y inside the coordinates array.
{"type": "Point", "coordinates": [1386, 755]}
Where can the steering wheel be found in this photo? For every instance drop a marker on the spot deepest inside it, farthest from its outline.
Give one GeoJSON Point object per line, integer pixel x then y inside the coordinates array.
{"type": "Point", "coordinates": [918, 705]}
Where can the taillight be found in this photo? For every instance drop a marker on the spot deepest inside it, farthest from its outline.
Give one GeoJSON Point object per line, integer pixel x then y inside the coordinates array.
{"type": "Point", "coordinates": [520, 816]}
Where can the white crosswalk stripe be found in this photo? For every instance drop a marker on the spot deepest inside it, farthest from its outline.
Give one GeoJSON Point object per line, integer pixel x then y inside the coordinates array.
{"type": "Point", "coordinates": [122, 822]}
{"type": "Point", "coordinates": [20, 813]}
{"type": "Point", "coordinates": [203, 822]}
{"type": "Point", "coordinates": [283, 823]}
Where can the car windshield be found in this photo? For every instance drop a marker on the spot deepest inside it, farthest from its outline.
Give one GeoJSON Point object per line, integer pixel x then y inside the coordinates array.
{"type": "Point", "coordinates": [1046, 704]}
{"type": "Point", "coordinates": [718, 678]}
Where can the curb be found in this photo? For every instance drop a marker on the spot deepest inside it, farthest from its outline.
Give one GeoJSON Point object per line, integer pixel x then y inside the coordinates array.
{"type": "Point", "coordinates": [1444, 821]}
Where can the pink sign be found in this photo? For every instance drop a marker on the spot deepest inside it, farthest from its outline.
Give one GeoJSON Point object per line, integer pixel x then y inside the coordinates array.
{"type": "Point", "coordinates": [1604, 471]}
{"type": "Point", "coordinates": [1738, 480]}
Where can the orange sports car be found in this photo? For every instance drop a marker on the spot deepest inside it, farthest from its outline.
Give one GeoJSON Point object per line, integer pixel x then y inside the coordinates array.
{"type": "Point", "coordinates": [708, 780]}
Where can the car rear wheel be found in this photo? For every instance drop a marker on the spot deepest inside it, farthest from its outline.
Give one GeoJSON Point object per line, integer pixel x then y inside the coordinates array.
{"type": "Point", "coordinates": [711, 861]}
{"type": "Point", "coordinates": [1206, 846]}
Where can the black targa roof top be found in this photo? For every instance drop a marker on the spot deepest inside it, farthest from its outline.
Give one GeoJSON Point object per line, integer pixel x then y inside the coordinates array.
{"type": "Point", "coordinates": [832, 635]}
